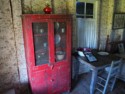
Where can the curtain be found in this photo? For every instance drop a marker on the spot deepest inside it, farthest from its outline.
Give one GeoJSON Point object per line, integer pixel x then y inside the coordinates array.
{"type": "Point", "coordinates": [87, 33]}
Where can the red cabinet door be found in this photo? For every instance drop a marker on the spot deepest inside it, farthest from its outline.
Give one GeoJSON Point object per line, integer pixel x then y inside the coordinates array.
{"type": "Point", "coordinates": [47, 41]}
{"type": "Point", "coordinates": [38, 83]}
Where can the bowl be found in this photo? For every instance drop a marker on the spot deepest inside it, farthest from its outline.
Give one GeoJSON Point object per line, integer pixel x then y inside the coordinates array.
{"type": "Point", "coordinates": [57, 38]}
{"type": "Point", "coordinates": [60, 55]}
{"type": "Point", "coordinates": [41, 31]}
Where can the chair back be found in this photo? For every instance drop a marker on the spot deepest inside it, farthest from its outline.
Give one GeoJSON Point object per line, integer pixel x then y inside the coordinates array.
{"type": "Point", "coordinates": [110, 78]}
{"type": "Point", "coordinates": [114, 69]}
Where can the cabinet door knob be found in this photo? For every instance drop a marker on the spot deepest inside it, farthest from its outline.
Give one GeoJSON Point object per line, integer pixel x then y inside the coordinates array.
{"type": "Point", "coordinates": [52, 80]}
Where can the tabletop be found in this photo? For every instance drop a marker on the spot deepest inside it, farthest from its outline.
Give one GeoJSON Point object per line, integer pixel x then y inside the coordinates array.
{"type": "Point", "coordinates": [121, 55]}
{"type": "Point", "coordinates": [102, 60]}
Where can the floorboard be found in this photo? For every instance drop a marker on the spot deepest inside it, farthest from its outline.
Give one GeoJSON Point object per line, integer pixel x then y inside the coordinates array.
{"type": "Point", "coordinates": [81, 85]}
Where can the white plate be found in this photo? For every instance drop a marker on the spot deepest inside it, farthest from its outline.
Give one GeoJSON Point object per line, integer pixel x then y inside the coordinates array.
{"type": "Point", "coordinates": [103, 53]}
{"type": "Point", "coordinates": [57, 38]}
{"type": "Point", "coordinates": [57, 25]}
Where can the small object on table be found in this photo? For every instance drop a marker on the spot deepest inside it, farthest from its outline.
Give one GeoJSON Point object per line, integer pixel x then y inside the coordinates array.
{"type": "Point", "coordinates": [80, 53]}
{"type": "Point", "coordinates": [87, 49]}
{"type": "Point", "coordinates": [90, 57]}
{"type": "Point", "coordinates": [103, 53]}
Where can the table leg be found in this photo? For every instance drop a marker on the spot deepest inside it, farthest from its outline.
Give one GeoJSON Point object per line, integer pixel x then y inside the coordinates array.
{"type": "Point", "coordinates": [93, 81]}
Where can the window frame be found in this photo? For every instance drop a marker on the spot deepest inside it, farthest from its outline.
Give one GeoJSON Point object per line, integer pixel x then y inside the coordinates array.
{"type": "Point", "coordinates": [85, 15]}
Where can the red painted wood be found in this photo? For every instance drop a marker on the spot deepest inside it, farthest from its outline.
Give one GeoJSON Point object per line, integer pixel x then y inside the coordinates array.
{"type": "Point", "coordinates": [55, 77]}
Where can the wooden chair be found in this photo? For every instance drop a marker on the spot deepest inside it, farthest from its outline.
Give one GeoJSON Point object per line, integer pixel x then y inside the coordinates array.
{"type": "Point", "coordinates": [107, 81]}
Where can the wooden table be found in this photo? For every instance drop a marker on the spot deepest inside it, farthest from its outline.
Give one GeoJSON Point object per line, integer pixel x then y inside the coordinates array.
{"type": "Point", "coordinates": [103, 61]}
{"type": "Point", "coordinates": [121, 55]}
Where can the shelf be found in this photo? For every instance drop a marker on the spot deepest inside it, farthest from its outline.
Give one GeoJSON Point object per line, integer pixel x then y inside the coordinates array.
{"type": "Point", "coordinates": [40, 51]}
{"type": "Point", "coordinates": [38, 35]}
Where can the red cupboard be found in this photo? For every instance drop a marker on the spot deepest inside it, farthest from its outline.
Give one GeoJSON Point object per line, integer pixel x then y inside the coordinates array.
{"type": "Point", "coordinates": [47, 41]}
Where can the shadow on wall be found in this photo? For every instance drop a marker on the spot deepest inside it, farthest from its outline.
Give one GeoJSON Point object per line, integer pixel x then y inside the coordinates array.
{"type": "Point", "coordinates": [24, 89]}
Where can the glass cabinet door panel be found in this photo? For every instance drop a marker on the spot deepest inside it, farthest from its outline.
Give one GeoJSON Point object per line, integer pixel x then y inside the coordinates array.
{"type": "Point", "coordinates": [40, 36]}
{"type": "Point", "coordinates": [60, 40]}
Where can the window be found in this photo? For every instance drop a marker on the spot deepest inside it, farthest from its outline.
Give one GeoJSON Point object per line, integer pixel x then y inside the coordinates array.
{"type": "Point", "coordinates": [86, 18]}
{"type": "Point", "coordinates": [84, 10]}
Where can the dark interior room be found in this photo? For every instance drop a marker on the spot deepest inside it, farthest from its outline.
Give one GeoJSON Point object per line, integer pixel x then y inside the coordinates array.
{"type": "Point", "coordinates": [62, 46]}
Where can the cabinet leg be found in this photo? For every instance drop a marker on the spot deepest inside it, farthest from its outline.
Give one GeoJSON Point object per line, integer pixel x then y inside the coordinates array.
{"type": "Point", "coordinates": [68, 91]}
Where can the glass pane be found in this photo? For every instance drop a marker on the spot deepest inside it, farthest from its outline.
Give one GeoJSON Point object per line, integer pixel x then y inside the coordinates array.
{"type": "Point", "coordinates": [89, 9]}
{"type": "Point", "coordinates": [60, 40]}
{"type": "Point", "coordinates": [89, 16]}
{"type": "Point", "coordinates": [40, 34]}
{"type": "Point", "coordinates": [80, 7]}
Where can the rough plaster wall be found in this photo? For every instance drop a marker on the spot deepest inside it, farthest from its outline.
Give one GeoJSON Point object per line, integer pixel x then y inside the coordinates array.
{"type": "Point", "coordinates": [9, 77]}
{"type": "Point", "coordinates": [110, 16]}
{"type": "Point", "coordinates": [71, 6]}
{"type": "Point", "coordinates": [108, 7]}
{"type": "Point", "coordinates": [37, 6]}
{"type": "Point", "coordinates": [34, 6]}
{"type": "Point", "coordinates": [71, 9]}
{"type": "Point", "coordinates": [17, 22]}
{"type": "Point", "coordinates": [60, 6]}
{"type": "Point", "coordinates": [106, 19]}
{"type": "Point", "coordinates": [120, 6]}
{"type": "Point", "coordinates": [99, 13]}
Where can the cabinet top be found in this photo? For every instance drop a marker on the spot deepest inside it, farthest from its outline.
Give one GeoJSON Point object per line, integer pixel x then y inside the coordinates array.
{"type": "Point", "coordinates": [48, 16]}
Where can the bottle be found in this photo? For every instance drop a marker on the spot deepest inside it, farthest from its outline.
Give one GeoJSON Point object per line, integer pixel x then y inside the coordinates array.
{"type": "Point", "coordinates": [107, 48]}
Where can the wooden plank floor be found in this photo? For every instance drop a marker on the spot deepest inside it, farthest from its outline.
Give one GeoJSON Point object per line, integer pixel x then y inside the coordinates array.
{"type": "Point", "coordinates": [81, 86]}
